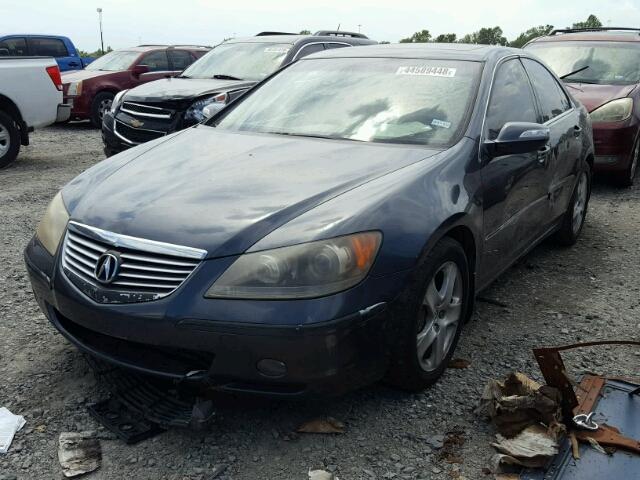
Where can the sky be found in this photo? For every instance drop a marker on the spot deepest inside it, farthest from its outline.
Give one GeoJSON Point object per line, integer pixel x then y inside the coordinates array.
{"type": "Point", "coordinates": [207, 22]}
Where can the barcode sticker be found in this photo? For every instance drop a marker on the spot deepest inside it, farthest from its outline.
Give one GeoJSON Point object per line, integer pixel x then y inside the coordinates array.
{"type": "Point", "coordinates": [427, 71]}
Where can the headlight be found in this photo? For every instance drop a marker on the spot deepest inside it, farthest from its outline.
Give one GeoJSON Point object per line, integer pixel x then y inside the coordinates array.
{"type": "Point", "coordinates": [307, 270]}
{"type": "Point", "coordinates": [194, 112]}
{"type": "Point", "coordinates": [117, 100]}
{"type": "Point", "coordinates": [614, 111]}
{"type": "Point", "coordinates": [75, 88]}
{"type": "Point", "coordinates": [52, 226]}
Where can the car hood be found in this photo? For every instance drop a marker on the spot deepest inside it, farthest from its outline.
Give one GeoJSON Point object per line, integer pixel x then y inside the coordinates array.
{"type": "Point", "coordinates": [222, 191]}
{"type": "Point", "coordinates": [594, 96]}
{"type": "Point", "coordinates": [77, 75]}
{"type": "Point", "coordinates": [168, 89]}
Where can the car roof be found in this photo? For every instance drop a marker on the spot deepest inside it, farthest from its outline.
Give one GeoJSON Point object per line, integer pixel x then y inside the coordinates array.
{"type": "Point", "coordinates": [146, 48]}
{"type": "Point", "coordinates": [293, 39]}
{"type": "Point", "coordinates": [593, 35]}
{"type": "Point", "coordinates": [450, 51]}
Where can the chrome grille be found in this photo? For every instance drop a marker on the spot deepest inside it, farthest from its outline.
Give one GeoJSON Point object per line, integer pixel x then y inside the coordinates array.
{"type": "Point", "coordinates": [135, 136]}
{"type": "Point", "coordinates": [148, 270]}
{"type": "Point", "coordinates": [142, 110]}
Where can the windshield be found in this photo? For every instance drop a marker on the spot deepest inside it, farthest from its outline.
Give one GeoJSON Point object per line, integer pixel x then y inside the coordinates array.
{"type": "Point", "coordinates": [243, 61]}
{"type": "Point", "coordinates": [114, 61]}
{"type": "Point", "coordinates": [411, 101]}
{"type": "Point", "coordinates": [610, 63]}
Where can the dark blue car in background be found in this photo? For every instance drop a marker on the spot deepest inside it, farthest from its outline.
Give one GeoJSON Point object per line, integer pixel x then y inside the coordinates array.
{"type": "Point", "coordinates": [56, 46]}
{"type": "Point", "coordinates": [330, 228]}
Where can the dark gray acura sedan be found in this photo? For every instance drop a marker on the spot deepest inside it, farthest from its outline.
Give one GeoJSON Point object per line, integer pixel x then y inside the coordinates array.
{"type": "Point", "coordinates": [330, 228]}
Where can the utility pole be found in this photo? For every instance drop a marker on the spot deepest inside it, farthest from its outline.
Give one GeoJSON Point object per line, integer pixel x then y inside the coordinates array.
{"type": "Point", "coordinates": [99, 10]}
{"type": "Point", "coordinates": [359, 26]}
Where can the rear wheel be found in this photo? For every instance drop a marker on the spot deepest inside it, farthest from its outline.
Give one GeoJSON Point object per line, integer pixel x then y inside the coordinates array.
{"type": "Point", "coordinates": [432, 312]}
{"type": "Point", "coordinates": [9, 139]}
{"type": "Point", "coordinates": [627, 178]}
{"type": "Point", "coordinates": [101, 104]}
{"type": "Point", "coordinates": [576, 213]}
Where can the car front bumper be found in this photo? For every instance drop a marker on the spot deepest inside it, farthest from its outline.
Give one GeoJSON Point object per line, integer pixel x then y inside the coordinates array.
{"type": "Point", "coordinates": [326, 357]}
{"type": "Point", "coordinates": [614, 145]}
{"type": "Point", "coordinates": [112, 143]}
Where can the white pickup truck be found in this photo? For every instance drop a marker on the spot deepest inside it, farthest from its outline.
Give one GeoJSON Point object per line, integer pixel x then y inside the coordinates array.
{"type": "Point", "coordinates": [30, 97]}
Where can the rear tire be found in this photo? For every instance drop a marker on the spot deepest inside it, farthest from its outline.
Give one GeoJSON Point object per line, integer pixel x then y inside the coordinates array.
{"type": "Point", "coordinates": [430, 315]}
{"type": "Point", "coordinates": [576, 213]}
{"type": "Point", "coordinates": [9, 139]}
{"type": "Point", "coordinates": [101, 104]}
{"type": "Point", "coordinates": [627, 178]}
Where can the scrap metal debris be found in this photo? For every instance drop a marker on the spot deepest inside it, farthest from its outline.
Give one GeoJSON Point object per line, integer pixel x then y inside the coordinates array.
{"type": "Point", "coordinates": [321, 475]}
{"type": "Point", "coordinates": [520, 402]}
{"type": "Point", "coordinates": [322, 425]}
{"type": "Point", "coordinates": [79, 453]}
{"type": "Point", "coordinates": [10, 424]}
{"type": "Point", "coordinates": [532, 447]}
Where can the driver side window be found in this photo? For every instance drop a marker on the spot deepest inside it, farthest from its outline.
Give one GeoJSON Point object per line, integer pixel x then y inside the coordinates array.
{"type": "Point", "coordinates": [511, 99]}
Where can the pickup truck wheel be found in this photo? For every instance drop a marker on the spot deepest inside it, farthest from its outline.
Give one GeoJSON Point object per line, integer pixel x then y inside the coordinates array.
{"type": "Point", "coordinates": [101, 104]}
{"type": "Point", "coordinates": [9, 139]}
{"type": "Point", "coordinates": [430, 315]}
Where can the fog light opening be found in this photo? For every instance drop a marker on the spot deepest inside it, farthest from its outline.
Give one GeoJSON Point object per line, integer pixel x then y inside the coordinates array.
{"type": "Point", "coordinates": [271, 368]}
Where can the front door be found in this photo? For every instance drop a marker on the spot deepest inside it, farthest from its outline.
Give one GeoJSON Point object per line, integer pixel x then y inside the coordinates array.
{"type": "Point", "coordinates": [563, 120]}
{"type": "Point", "coordinates": [515, 190]}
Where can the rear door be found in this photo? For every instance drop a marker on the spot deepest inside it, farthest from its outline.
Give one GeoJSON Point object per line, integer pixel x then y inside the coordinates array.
{"type": "Point", "coordinates": [157, 62]}
{"type": "Point", "coordinates": [563, 120]}
{"type": "Point", "coordinates": [515, 201]}
{"type": "Point", "coordinates": [179, 60]}
{"type": "Point", "coordinates": [56, 48]}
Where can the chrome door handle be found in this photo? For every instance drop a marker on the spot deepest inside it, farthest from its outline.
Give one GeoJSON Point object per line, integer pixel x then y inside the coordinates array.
{"type": "Point", "coordinates": [543, 154]}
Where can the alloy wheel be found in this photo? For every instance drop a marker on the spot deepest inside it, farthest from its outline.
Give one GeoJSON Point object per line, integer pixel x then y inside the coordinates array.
{"type": "Point", "coordinates": [5, 140]}
{"type": "Point", "coordinates": [580, 203]}
{"type": "Point", "coordinates": [440, 316]}
{"type": "Point", "coordinates": [104, 107]}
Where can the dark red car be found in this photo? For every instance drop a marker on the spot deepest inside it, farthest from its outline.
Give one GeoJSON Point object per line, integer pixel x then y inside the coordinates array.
{"type": "Point", "coordinates": [602, 68]}
{"type": "Point", "coordinates": [91, 91]}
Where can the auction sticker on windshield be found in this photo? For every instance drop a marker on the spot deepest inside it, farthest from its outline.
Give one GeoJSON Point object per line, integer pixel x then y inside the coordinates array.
{"type": "Point", "coordinates": [276, 50]}
{"type": "Point", "coordinates": [427, 71]}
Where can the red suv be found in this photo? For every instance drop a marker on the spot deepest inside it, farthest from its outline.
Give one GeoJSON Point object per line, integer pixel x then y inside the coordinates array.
{"type": "Point", "coordinates": [602, 68]}
{"type": "Point", "coordinates": [91, 91]}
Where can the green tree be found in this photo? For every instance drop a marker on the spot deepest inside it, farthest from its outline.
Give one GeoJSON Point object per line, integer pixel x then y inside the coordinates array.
{"type": "Point", "coordinates": [446, 38]}
{"type": "Point", "coordinates": [591, 22]}
{"type": "Point", "coordinates": [530, 34]}
{"type": "Point", "coordinates": [305, 32]}
{"type": "Point", "coordinates": [486, 36]}
{"type": "Point", "coordinates": [96, 54]}
{"type": "Point", "coordinates": [419, 37]}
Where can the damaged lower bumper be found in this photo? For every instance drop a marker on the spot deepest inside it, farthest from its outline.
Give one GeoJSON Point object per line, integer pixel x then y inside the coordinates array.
{"type": "Point", "coordinates": [329, 357]}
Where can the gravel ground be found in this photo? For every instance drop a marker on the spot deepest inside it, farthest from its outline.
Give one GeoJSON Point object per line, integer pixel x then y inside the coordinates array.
{"type": "Point", "coordinates": [553, 296]}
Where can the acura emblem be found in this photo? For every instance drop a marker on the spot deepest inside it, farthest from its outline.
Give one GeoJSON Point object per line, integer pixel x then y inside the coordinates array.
{"type": "Point", "coordinates": [136, 123]}
{"type": "Point", "coordinates": [107, 267]}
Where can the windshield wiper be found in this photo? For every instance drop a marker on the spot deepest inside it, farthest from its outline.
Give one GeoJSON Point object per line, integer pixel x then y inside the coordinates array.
{"type": "Point", "coordinates": [313, 135]}
{"type": "Point", "coordinates": [226, 77]}
{"type": "Point", "coordinates": [581, 69]}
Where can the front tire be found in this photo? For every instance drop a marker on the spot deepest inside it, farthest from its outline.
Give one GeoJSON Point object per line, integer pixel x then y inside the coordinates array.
{"type": "Point", "coordinates": [627, 178]}
{"type": "Point", "coordinates": [430, 315]}
{"type": "Point", "coordinates": [576, 213]}
{"type": "Point", "coordinates": [100, 105]}
{"type": "Point", "coordinates": [9, 139]}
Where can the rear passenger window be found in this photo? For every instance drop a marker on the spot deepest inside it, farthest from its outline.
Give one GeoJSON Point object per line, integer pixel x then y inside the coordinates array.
{"type": "Point", "coordinates": [309, 49]}
{"type": "Point", "coordinates": [48, 47]}
{"type": "Point", "coordinates": [15, 47]}
{"type": "Point", "coordinates": [156, 61]}
{"type": "Point", "coordinates": [511, 99]}
{"type": "Point", "coordinates": [553, 100]}
{"type": "Point", "coordinates": [180, 59]}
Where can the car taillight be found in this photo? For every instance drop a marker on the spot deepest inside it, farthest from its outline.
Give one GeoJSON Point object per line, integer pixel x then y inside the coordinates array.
{"type": "Point", "coordinates": [54, 74]}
